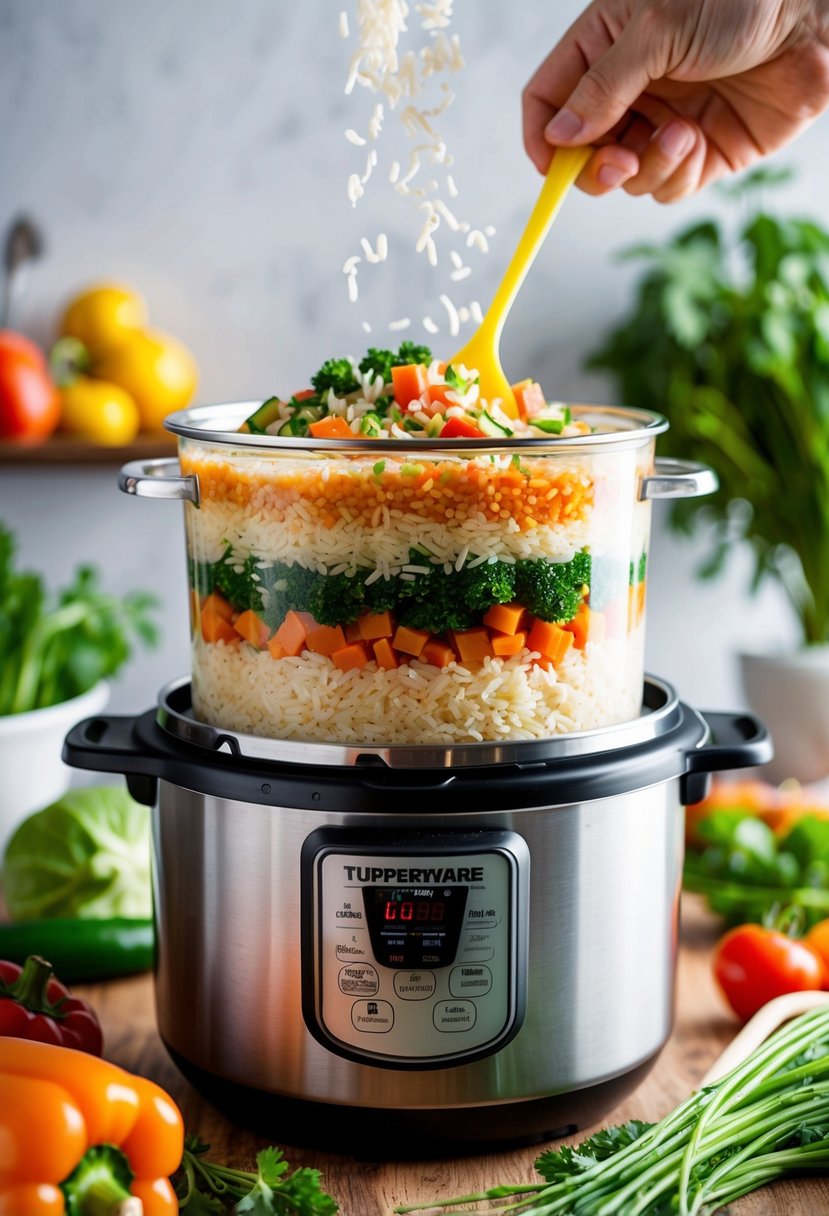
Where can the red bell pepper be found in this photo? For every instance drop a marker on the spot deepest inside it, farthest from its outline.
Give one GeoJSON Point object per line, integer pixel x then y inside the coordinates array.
{"type": "Point", "coordinates": [34, 1005]}
{"type": "Point", "coordinates": [459, 428]}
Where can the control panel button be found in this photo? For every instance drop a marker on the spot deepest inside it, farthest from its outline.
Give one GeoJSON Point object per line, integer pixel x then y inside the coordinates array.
{"type": "Point", "coordinates": [372, 1017]}
{"type": "Point", "coordinates": [358, 980]}
{"type": "Point", "coordinates": [470, 980]}
{"type": "Point", "coordinates": [414, 985]}
{"type": "Point", "coordinates": [353, 947]}
{"type": "Point", "coordinates": [476, 947]}
{"type": "Point", "coordinates": [452, 1016]}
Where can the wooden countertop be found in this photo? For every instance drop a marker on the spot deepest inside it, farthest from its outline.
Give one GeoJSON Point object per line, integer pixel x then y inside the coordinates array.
{"type": "Point", "coordinates": [703, 1028]}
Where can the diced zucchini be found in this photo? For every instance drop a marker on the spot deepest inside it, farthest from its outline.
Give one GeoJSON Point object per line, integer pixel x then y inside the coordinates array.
{"type": "Point", "coordinates": [262, 417]}
{"type": "Point", "coordinates": [490, 427]}
{"type": "Point", "coordinates": [371, 425]}
{"type": "Point", "coordinates": [550, 426]}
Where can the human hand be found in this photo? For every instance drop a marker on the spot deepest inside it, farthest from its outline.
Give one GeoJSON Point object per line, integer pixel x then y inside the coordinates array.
{"type": "Point", "coordinates": [676, 93]}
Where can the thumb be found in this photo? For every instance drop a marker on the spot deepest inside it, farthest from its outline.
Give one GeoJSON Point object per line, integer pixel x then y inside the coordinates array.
{"type": "Point", "coordinates": [606, 91]}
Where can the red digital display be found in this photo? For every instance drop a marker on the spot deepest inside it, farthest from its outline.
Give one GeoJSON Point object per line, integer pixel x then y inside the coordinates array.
{"type": "Point", "coordinates": [418, 910]}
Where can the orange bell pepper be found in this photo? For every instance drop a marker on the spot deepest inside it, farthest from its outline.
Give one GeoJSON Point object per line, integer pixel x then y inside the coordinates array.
{"type": "Point", "coordinates": [56, 1106]}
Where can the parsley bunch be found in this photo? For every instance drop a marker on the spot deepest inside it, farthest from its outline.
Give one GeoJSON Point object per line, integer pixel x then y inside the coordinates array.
{"type": "Point", "coordinates": [206, 1189]}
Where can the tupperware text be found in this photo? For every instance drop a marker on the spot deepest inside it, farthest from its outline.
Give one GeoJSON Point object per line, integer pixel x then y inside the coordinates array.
{"type": "Point", "coordinates": [391, 875]}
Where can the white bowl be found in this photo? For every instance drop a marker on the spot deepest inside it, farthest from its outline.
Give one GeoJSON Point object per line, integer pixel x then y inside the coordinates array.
{"type": "Point", "coordinates": [32, 773]}
{"type": "Point", "coordinates": [790, 693]}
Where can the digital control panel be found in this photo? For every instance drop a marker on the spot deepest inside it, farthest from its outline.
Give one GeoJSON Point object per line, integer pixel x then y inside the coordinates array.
{"type": "Point", "coordinates": [419, 953]}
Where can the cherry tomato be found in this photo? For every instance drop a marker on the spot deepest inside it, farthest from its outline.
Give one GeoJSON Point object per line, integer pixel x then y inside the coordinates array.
{"type": "Point", "coordinates": [459, 428]}
{"type": "Point", "coordinates": [29, 400]}
{"type": "Point", "coordinates": [752, 965]}
{"type": "Point", "coordinates": [818, 940]}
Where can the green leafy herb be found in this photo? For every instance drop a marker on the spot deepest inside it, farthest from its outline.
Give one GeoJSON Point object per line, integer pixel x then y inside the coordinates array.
{"type": "Point", "coordinates": [747, 872]}
{"type": "Point", "coordinates": [204, 1188]}
{"type": "Point", "coordinates": [729, 336]}
{"type": "Point", "coordinates": [86, 855]}
{"type": "Point", "coordinates": [766, 1119]}
{"type": "Point", "coordinates": [53, 648]}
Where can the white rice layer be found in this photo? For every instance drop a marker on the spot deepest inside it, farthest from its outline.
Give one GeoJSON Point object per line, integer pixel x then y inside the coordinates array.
{"type": "Point", "coordinates": [307, 697]}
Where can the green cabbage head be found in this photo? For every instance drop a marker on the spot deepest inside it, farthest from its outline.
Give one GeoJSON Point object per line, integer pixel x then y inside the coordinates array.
{"type": "Point", "coordinates": [86, 855]}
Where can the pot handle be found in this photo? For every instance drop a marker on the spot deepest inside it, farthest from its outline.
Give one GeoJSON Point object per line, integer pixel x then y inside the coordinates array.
{"type": "Point", "coordinates": [740, 741]}
{"type": "Point", "coordinates": [155, 479]}
{"type": "Point", "coordinates": [678, 479]}
{"type": "Point", "coordinates": [107, 744]}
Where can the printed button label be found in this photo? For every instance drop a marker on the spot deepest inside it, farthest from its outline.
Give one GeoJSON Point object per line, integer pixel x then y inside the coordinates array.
{"type": "Point", "coordinates": [481, 918]}
{"type": "Point", "coordinates": [414, 985]}
{"type": "Point", "coordinates": [470, 980]}
{"type": "Point", "coordinates": [476, 948]}
{"type": "Point", "coordinates": [353, 948]}
{"type": "Point", "coordinates": [373, 1017]}
{"type": "Point", "coordinates": [358, 980]}
{"type": "Point", "coordinates": [449, 1016]}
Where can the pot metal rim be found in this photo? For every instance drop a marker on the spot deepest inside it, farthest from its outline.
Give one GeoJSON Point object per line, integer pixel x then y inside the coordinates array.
{"type": "Point", "coordinates": [208, 424]}
{"type": "Point", "coordinates": [660, 704]}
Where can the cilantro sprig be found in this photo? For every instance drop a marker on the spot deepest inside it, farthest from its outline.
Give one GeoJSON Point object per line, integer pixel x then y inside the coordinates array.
{"type": "Point", "coordinates": [204, 1188]}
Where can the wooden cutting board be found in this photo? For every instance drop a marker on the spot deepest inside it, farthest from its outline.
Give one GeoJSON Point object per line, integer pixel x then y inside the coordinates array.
{"type": "Point", "coordinates": [703, 1027]}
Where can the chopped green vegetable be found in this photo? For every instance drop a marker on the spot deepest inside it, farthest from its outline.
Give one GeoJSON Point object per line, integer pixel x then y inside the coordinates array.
{"type": "Point", "coordinates": [412, 352]}
{"type": "Point", "coordinates": [745, 870]}
{"type": "Point", "coordinates": [336, 374]}
{"type": "Point", "coordinates": [550, 426]}
{"type": "Point", "coordinates": [380, 362]}
{"type": "Point", "coordinates": [53, 648]}
{"type": "Point", "coordinates": [203, 1187]}
{"type": "Point", "coordinates": [262, 417]}
{"type": "Point", "coordinates": [766, 1119]}
{"type": "Point", "coordinates": [86, 855]}
{"type": "Point", "coordinates": [379, 467]}
{"type": "Point", "coordinates": [552, 591]}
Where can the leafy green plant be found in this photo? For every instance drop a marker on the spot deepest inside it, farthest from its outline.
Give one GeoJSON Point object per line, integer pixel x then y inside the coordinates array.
{"type": "Point", "coordinates": [729, 337]}
{"type": "Point", "coordinates": [53, 648]}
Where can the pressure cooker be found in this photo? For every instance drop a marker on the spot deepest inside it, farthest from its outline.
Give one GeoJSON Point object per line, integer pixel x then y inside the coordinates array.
{"type": "Point", "coordinates": [411, 948]}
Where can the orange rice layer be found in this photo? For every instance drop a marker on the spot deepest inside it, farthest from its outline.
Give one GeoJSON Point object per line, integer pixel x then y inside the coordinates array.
{"type": "Point", "coordinates": [440, 491]}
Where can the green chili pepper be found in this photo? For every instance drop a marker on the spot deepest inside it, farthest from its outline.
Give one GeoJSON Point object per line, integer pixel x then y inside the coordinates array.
{"type": "Point", "coordinates": [82, 949]}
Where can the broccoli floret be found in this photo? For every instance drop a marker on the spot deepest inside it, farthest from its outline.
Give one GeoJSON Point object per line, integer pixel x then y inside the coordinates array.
{"type": "Point", "coordinates": [337, 374]}
{"type": "Point", "coordinates": [410, 352]}
{"type": "Point", "coordinates": [552, 590]}
{"type": "Point", "coordinates": [380, 362]}
{"type": "Point", "coordinates": [336, 599]}
{"type": "Point", "coordinates": [381, 595]}
{"type": "Point", "coordinates": [236, 582]}
{"type": "Point", "coordinates": [441, 611]}
{"type": "Point", "coordinates": [487, 584]}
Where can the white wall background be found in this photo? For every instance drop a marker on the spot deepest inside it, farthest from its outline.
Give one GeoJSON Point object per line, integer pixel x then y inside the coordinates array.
{"type": "Point", "coordinates": [196, 151]}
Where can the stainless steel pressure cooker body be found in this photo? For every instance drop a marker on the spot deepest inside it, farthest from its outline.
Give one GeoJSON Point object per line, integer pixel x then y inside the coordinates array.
{"type": "Point", "coordinates": [409, 948]}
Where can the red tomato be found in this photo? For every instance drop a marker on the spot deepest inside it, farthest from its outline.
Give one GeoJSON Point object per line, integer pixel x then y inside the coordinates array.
{"type": "Point", "coordinates": [29, 401]}
{"type": "Point", "coordinates": [459, 428]}
{"type": "Point", "coordinates": [752, 965]}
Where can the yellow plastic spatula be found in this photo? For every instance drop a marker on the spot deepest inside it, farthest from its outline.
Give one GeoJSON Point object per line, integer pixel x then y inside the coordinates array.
{"type": "Point", "coordinates": [481, 351]}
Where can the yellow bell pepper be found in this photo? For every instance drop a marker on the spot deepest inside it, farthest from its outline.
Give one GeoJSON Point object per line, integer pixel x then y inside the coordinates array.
{"type": "Point", "coordinates": [66, 1117]}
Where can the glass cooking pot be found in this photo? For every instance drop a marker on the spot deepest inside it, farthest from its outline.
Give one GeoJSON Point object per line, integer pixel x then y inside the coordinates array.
{"type": "Point", "coordinates": [422, 591]}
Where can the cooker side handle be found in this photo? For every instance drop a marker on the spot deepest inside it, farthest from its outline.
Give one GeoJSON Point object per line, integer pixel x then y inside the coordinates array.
{"type": "Point", "coordinates": [740, 741]}
{"type": "Point", "coordinates": [107, 744]}
{"type": "Point", "coordinates": [156, 479]}
{"type": "Point", "coordinates": [678, 479]}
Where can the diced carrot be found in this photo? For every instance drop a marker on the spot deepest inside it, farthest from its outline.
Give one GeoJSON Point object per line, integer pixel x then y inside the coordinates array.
{"type": "Point", "coordinates": [549, 640]}
{"type": "Point", "coordinates": [505, 618]}
{"type": "Point", "coordinates": [437, 653]}
{"type": "Point", "coordinates": [384, 654]}
{"type": "Point", "coordinates": [217, 603]}
{"type": "Point", "coordinates": [352, 631]}
{"type": "Point", "coordinates": [215, 628]}
{"type": "Point", "coordinates": [348, 657]}
{"type": "Point", "coordinates": [409, 382]}
{"type": "Point", "coordinates": [504, 644]}
{"type": "Point", "coordinates": [252, 628]}
{"type": "Point", "coordinates": [437, 395]}
{"type": "Point", "coordinates": [304, 394]}
{"type": "Point", "coordinates": [332, 427]}
{"type": "Point", "coordinates": [277, 650]}
{"type": "Point", "coordinates": [473, 645]}
{"type": "Point", "coordinates": [529, 397]}
{"type": "Point", "coordinates": [410, 641]}
{"type": "Point", "coordinates": [376, 625]}
{"type": "Point", "coordinates": [325, 639]}
{"type": "Point", "coordinates": [290, 635]}
{"type": "Point", "coordinates": [580, 627]}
